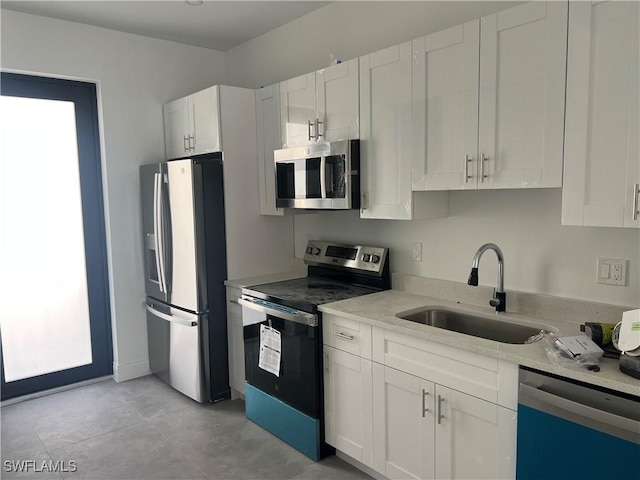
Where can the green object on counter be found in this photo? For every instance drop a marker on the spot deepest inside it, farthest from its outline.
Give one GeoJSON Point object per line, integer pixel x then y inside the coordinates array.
{"type": "Point", "coordinates": [600, 333]}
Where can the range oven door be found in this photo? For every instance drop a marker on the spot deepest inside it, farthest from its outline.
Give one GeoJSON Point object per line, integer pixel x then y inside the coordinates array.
{"type": "Point", "coordinates": [300, 375]}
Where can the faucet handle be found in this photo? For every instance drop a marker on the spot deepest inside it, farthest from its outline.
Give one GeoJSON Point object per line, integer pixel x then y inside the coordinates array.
{"type": "Point", "coordinates": [499, 301]}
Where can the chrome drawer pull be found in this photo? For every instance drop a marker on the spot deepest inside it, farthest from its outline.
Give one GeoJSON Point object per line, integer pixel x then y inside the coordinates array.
{"type": "Point", "coordinates": [343, 336]}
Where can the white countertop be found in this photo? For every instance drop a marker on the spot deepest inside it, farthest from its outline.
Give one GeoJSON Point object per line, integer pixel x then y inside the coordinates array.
{"type": "Point", "coordinates": [380, 309]}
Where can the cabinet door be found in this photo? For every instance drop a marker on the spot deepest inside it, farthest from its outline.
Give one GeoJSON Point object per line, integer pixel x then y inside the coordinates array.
{"type": "Point", "coordinates": [235, 341]}
{"type": "Point", "coordinates": [474, 438]}
{"type": "Point", "coordinates": [176, 128]}
{"type": "Point", "coordinates": [522, 88]}
{"type": "Point", "coordinates": [348, 404]}
{"type": "Point", "coordinates": [445, 109]}
{"type": "Point", "coordinates": [601, 167]}
{"type": "Point", "coordinates": [205, 121]}
{"type": "Point", "coordinates": [403, 425]}
{"type": "Point", "coordinates": [385, 132]}
{"type": "Point", "coordinates": [338, 102]}
{"type": "Point", "coordinates": [298, 108]}
{"type": "Point", "coordinates": [269, 139]}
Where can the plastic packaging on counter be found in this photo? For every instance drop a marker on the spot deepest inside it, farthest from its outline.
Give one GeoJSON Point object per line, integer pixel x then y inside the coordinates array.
{"type": "Point", "coordinates": [572, 351]}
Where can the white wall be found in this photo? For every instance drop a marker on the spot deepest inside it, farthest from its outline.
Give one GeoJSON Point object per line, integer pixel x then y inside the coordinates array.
{"type": "Point", "coordinates": [343, 30]}
{"type": "Point", "coordinates": [541, 255]}
{"type": "Point", "coordinates": [136, 76]}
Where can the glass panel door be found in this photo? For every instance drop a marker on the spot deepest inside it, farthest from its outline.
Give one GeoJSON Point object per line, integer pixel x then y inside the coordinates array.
{"type": "Point", "coordinates": [44, 308]}
{"type": "Point", "coordinates": [54, 305]}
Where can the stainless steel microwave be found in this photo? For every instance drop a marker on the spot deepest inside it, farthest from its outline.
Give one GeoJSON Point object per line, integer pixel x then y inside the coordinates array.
{"type": "Point", "coordinates": [321, 176]}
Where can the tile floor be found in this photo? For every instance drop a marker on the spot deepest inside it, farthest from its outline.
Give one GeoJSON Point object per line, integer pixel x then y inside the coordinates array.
{"type": "Point", "coordinates": [142, 429]}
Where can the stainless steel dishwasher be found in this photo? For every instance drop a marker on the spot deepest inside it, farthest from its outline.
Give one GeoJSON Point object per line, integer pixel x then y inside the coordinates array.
{"type": "Point", "coordinates": [571, 430]}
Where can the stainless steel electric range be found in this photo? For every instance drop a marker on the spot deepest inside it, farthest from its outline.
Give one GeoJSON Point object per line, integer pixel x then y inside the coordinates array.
{"type": "Point", "coordinates": [283, 339]}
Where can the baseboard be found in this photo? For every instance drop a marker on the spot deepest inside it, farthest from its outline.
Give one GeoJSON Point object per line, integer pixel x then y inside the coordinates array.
{"type": "Point", "coordinates": [360, 466]}
{"type": "Point", "coordinates": [51, 391]}
{"type": "Point", "coordinates": [122, 373]}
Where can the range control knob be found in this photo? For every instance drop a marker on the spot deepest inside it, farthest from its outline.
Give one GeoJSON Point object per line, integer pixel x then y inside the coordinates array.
{"type": "Point", "coordinates": [366, 257]}
{"type": "Point", "coordinates": [316, 251]}
{"type": "Point", "coordinates": [375, 258]}
{"type": "Point", "coordinates": [309, 250]}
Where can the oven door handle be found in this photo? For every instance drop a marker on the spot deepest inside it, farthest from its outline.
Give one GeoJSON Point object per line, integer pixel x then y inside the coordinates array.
{"type": "Point", "coordinates": [290, 314]}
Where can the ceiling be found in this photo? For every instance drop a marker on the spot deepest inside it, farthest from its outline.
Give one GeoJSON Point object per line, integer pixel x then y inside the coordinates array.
{"type": "Point", "coordinates": [218, 25]}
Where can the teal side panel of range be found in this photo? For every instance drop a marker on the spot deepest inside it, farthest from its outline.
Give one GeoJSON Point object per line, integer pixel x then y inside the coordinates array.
{"type": "Point", "coordinates": [285, 422]}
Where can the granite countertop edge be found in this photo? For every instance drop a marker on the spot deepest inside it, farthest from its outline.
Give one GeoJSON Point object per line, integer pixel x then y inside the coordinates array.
{"type": "Point", "coordinates": [260, 279]}
{"type": "Point", "coordinates": [380, 310]}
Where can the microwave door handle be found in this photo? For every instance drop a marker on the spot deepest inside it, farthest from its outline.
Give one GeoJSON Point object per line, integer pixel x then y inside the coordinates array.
{"type": "Point", "coordinates": [157, 229]}
{"type": "Point", "coordinates": [323, 176]}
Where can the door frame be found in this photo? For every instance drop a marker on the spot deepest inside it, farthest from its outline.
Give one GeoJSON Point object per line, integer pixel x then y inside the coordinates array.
{"type": "Point", "coordinates": [84, 95]}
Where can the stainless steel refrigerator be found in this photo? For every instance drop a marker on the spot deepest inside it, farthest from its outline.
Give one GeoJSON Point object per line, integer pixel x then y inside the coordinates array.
{"type": "Point", "coordinates": [185, 268]}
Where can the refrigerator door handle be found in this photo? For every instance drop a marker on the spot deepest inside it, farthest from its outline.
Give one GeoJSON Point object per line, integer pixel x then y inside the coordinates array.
{"type": "Point", "coordinates": [157, 228]}
{"type": "Point", "coordinates": [172, 318]}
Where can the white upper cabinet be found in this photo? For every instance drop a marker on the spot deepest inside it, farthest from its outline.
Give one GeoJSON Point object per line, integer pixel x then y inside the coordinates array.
{"type": "Point", "coordinates": [321, 106]}
{"type": "Point", "coordinates": [602, 161]}
{"type": "Point", "coordinates": [522, 90]}
{"type": "Point", "coordinates": [385, 133]}
{"type": "Point", "coordinates": [192, 124]}
{"type": "Point", "coordinates": [445, 108]}
{"type": "Point", "coordinates": [338, 101]}
{"type": "Point", "coordinates": [489, 101]}
{"type": "Point", "coordinates": [269, 139]}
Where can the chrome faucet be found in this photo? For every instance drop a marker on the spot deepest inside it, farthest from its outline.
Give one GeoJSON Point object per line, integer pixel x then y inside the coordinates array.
{"type": "Point", "coordinates": [499, 299]}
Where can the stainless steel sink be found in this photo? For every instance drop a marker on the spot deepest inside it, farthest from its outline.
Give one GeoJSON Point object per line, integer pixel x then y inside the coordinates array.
{"type": "Point", "coordinates": [498, 330]}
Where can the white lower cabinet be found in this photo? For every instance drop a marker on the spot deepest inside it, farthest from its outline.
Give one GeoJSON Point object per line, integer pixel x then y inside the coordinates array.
{"type": "Point", "coordinates": [403, 423]}
{"type": "Point", "coordinates": [424, 430]}
{"type": "Point", "coordinates": [348, 405]}
{"type": "Point", "coordinates": [235, 342]}
{"type": "Point", "coordinates": [405, 426]}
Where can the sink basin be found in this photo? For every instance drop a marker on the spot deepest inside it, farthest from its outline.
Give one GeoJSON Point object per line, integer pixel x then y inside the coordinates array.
{"type": "Point", "coordinates": [500, 331]}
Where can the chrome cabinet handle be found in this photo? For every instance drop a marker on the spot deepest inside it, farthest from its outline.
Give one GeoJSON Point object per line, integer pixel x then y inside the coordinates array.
{"type": "Point", "coordinates": [636, 194]}
{"type": "Point", "coordinates": [439, 415]}
{"type": "Point", "coordinates": [483, 158]}
{"type": "Point", "coordinates": [424, 402]}
{"type": "Point", "coordinates": [318, 134]}
{"type": "Point", "coordinates": [467, 160]}
{"type": "Point", "coordinates": [344, 336]}
{"type": "Point", "coordinates": [192, 142]}
{"type": "Point", "coordinates": [185, 143]}
{"type": "Point", "coordinates": [309, 124]}
{"type": "Point", "coordinates": [363, 205]}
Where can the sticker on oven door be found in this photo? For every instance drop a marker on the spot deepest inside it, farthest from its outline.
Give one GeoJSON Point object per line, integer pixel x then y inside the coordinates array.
{"type": "Point", "coordinates": [270, 348]}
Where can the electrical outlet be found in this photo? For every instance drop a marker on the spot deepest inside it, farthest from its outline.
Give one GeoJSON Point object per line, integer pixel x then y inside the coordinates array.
{"type": "Point", "coordinates": [416, 252]}
{"type": "Point", "coordinates": [612, 271]}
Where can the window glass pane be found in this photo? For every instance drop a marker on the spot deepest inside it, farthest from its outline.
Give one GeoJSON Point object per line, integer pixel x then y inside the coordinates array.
{"type": "Point", "coordinates": [44, 310]}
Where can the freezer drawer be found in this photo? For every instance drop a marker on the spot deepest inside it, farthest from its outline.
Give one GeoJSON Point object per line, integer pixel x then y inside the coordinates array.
{"type": "Point", "coordinates": [175, 354]}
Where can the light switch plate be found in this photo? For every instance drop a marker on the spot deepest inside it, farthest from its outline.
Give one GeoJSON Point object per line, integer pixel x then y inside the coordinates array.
{"type": "Point", "coordinates": [612, 271]}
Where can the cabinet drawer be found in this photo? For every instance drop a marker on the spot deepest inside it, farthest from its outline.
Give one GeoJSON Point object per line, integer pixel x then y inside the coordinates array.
{"type": "Point", "coordinates": [484, 377]}
{"type": "Point", "coordinates": [347, 335]}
